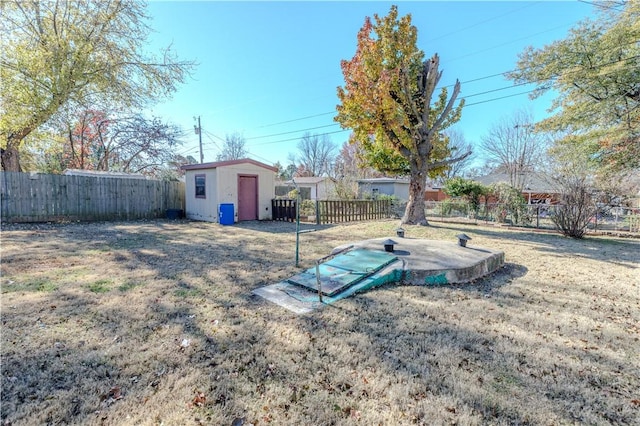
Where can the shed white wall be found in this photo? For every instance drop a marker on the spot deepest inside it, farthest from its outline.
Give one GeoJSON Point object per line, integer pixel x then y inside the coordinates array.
{"type": "Point", "coordinates": [222, 188]}
{"type": "Point", "coordinates": [228, 187]}
{"type": "Point", "coordinates": [205, 209]}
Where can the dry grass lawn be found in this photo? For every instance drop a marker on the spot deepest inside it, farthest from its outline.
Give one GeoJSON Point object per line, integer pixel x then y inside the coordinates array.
{"type": "Point", "coordinates": [149, 323]}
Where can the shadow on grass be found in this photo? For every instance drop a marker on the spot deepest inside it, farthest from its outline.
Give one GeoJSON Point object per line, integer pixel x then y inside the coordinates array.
{"type": "Point", "coordinates": [443, 347]}
{"type": "Point", "coordinates": [599, 248]}
{"type": "Point", "coordinates": [445, 353]}
{"type": "Point", "coordinates": [277, 227]}
{"type": "Point", "coordinates": [110, 365]}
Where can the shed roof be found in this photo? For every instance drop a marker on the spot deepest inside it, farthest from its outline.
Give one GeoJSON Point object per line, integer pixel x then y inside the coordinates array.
{"type": "Point", "coordinates": [217, 164]}
{"type": "Point", "coordinates": [308, 180]}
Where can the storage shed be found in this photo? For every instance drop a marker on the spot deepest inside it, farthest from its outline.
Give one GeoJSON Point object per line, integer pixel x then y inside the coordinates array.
{"type": "Point", "coordinates": [229, 191]}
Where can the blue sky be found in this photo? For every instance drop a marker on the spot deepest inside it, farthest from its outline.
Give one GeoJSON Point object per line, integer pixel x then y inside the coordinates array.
{"type": "Point", "coordinates": [269, 70]}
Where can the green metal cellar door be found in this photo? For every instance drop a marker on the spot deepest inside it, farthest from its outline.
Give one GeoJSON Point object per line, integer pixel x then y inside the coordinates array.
{"type": "Point", "coordinates": [344, 270]}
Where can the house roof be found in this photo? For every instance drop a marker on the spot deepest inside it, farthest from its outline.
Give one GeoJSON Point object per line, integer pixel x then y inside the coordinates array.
{"type": "Point", "coordinates": [384, 180]}
{"type": "Point", "coordinates": [533, 182]}
{"type": "Point", "coordinates": [217, 164]}
{"type": "Point", "coordinates": [101, 173]}
{"type": "Point", "coordinates": [308, 180]}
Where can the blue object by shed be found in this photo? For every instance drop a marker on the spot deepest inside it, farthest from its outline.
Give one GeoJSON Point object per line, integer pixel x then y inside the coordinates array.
{"type": "Point", "coordinates": [174, 214]}
{"type": "Point", "coordinates": [225, 214]}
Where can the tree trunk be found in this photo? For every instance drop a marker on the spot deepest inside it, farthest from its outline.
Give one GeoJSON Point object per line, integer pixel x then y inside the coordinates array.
{"type": "Point", "coordinates": [11, 155]}
{"type": "Point", "coordinates": [414, 213]}
{"type": "Point", "coordinates": [10, 159]}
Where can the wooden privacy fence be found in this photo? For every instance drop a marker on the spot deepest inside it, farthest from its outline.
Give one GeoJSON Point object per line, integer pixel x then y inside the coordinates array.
{"type": "Point", "coordinates": [334, 211]}
{"type": "Point", "coordinates": [337, 211]}
{"type": "Point", "coordinates": [283, 209]}
{"type": "Point", "coordinates": [48, 198]}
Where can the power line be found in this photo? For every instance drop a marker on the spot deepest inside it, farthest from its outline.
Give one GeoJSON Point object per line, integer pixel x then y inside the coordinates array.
{"type": "Point", "coordinates": [496, 90]}
{"type": "Point", "coordinates": [211, 135]}
{"type": "Point", "coordinates": [348, 130]}
{"type": "Point", "coordinates": [443, 36]}
{"type": "Point", "coordinates": [295, 139]}
{"type": "Point", "coordinates": [473, 80]}
{"type": "Point", "coordinates": [333, 112]}
{"type": "Point", "coordinates": [601, 5]}
{"type": "Point", "coordinates": [503, 44]}
{"type": "Point", "coordinates": [477, 24]}
{"type": "Point", "coordinates": [294, 131]}
{"type": "Point", "coordinates": [295, 119]}
{"type": "Point", "coordinates": [468, 96]}
{"type": "Point", "coordinates": [501, 97]}
{"type": "Point", "coordinates": [259, 157]}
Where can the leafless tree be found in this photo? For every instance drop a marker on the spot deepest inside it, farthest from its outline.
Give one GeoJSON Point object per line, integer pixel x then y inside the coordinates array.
{"type": "Point", "coordinates": [513, 146]}
{"type": "Point", "coordinates": [458, 144]}
{"type": "Point", "coordinates": [233, 148]}
{"type": "Point", "coordinates": [577, 206]}
{"type": "Point", "coordinates": [58, 53]}
{"type": "Point", "coordinates": [316, 154]}
{"type": "Point", "coordinates": [349, 163]}
{"type": "Point", "coordinates": [136, 144]}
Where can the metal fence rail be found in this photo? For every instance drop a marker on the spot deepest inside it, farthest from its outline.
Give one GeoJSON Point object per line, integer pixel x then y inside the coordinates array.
{"type": "Point", "coordinates": [539, 216]}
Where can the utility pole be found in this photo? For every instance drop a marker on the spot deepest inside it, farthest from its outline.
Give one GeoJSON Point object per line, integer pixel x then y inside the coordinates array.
{"type": "Point", "coordinates": [198, 130]}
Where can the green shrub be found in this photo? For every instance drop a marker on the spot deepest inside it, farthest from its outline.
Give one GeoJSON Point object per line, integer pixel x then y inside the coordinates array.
{"type": "Point", "coordinates": [308, 208]}
{"type": "Point", "coordinates": [512, 202]}
{"type": "Point", "coordinates": [470, 190]}
{"type": "Point", "coordinates": [451, 205]}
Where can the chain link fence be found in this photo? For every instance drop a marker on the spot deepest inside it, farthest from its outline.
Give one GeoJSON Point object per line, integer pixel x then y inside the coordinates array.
{"type": "Point", "coordinates": [539, 216]}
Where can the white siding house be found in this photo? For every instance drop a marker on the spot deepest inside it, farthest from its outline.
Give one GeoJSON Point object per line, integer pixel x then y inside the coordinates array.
{"type": "Point", "coordinates": [239, 189]}
{"type": "Point", "coordinates": [321, 188]}
{"type": "Point", "coordinates": [387, 186]}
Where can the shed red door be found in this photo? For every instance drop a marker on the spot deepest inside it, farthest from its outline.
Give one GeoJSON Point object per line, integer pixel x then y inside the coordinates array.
{"type": "Point", "coordinates": [247, 197]}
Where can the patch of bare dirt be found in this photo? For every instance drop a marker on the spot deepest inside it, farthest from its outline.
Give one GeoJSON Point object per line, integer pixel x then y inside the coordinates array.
{"type": "Point", "coordinates": [154, 323]}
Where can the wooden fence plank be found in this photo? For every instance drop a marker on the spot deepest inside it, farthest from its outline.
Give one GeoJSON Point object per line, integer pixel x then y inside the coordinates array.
{"type": "Point", "coordinates": [334, 211]}
{"type": "Point", "coordinates": [337, 211]}
{"type": "Point", "coordinates": [283, 209]}
{"type": "Point", "coordinates": [41, 197]}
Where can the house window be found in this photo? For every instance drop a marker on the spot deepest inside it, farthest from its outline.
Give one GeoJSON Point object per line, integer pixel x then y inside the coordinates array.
{"type": "Point", "coordinates": [200, 186]}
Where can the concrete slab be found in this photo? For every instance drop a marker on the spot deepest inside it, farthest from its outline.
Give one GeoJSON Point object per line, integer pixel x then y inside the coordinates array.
{"type": "Point", "coordinates": [419, 262]}
{"type": "Point", "coordinates": [435, 262]}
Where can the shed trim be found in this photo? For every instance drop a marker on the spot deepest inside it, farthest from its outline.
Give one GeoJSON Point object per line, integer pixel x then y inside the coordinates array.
{"type": "Point", "coordinates": [217, 164]}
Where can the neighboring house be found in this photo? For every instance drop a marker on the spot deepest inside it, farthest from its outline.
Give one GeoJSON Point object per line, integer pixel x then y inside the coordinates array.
{"type": "Point", "coordinates": [229, 191]}
{"type": "Point", "coordinates": [100, 173]}
{"type": "Point", "coordinates": [398, 187]}
{"type": "Point", "coordinates": [319, 188]}
{"type": "Point", "coordinates": [387, 186]}
{"type": "Point", "coordinates": [536, 189]}
{"type": "Point", "coordinates": [433, 193]}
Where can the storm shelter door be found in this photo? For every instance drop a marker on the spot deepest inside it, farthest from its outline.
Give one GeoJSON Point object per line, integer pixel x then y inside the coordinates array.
{"type": "Point", "coordinates": [247, 197]}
